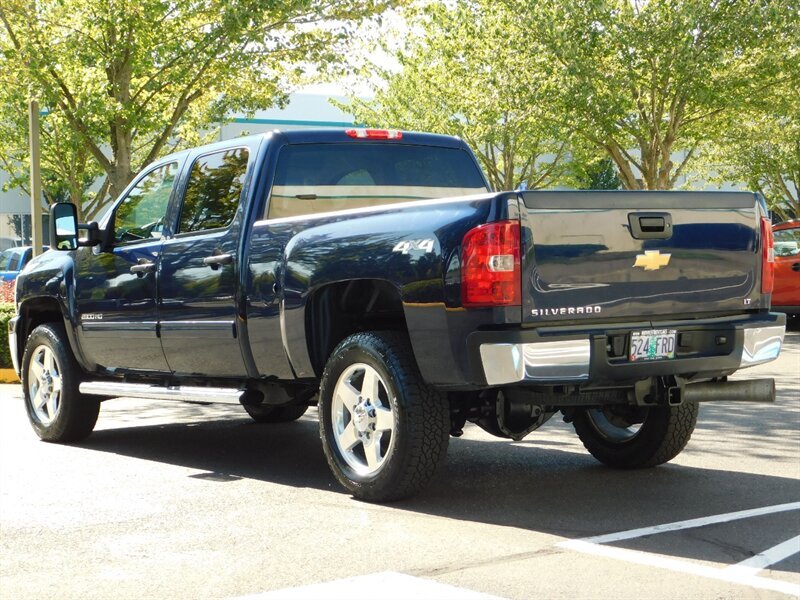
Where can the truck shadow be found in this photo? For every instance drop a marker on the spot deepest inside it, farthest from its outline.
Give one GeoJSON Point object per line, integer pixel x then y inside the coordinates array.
{"type": "Point", "coordinates": [544, 485]}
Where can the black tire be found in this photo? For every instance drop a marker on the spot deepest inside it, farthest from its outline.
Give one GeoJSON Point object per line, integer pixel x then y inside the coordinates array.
{"type": "Point", "coordinates": [662, 435]}
{"type": "Point", "coordinates": [264, 413]}
{"type": "Point", "coordinates": [420, 418]}
{"type": "Point", "coordinates": [71, 416]}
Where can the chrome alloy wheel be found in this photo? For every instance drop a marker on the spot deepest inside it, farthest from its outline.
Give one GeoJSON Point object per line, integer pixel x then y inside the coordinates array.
{"type": "Point", "coordinates": [363, 422]}
{"type": "Point", "coordinates": [614, 427]}
{"type": "Point", "coordinates": [44, 384]}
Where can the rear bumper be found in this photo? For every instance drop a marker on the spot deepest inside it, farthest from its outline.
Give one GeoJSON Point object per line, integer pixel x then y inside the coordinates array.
{"type": "Point", "coordinates": [551, 356]}
{"type": "Point", "coordinates": [12, 343]}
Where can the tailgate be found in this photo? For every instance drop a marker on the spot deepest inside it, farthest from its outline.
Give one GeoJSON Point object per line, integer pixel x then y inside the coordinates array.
{"type": "Point", "coordinates": [630, 255]}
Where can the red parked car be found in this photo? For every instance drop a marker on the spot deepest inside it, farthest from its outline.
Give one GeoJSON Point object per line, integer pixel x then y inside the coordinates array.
{"type": "Point", "coordinates": [786, 294]}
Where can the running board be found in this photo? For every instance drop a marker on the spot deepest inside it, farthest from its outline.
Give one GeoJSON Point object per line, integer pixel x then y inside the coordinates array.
{"type": "Point", "coordinates": [159, 392]}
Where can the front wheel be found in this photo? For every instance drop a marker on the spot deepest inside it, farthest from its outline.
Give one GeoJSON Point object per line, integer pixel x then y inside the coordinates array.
{"type": "Point", "coordinates": [56, 409]}
{"type": "Point", "coordinates": [383, 430]}
{"type": "Point", "coordinates": [628, 437]}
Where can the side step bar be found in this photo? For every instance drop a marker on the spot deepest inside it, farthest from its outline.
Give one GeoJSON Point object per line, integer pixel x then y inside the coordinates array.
{"type": "Point", "coordinates": [159, 392]}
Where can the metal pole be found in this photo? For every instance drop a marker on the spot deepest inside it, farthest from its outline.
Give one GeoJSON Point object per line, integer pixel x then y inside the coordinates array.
{"type": "Point", "coordinates": [36, 178]}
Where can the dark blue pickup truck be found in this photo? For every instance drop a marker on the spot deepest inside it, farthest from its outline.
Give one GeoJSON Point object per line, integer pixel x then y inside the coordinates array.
{"type": "Point", "coordinates": [375, 274]}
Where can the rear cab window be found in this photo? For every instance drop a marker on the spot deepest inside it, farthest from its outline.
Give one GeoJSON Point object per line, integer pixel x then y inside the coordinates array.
{"type": "Point", "coordinates": [318, 178]}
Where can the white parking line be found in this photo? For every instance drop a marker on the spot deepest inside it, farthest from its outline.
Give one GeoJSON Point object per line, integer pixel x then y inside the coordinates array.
{"type": "Point", "coordinates": [682, 566]}
{"type": "Point", "coordinates": [768, 557]}
{"type": "Point", "coordinates": [692, 523]}
{"type": "Point", "coordinates": [743, 573]}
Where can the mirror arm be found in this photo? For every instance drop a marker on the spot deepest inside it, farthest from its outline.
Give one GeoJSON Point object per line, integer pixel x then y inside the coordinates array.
{"type": "Point", "coordinates": [93, 239]}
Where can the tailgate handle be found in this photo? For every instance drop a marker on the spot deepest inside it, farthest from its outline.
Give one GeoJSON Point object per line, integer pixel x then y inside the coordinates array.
{"type": "Point", "coordinates": [650, 226]}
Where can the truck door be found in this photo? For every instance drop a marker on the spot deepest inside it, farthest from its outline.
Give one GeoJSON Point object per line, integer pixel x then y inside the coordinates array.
{"type": "Point", "coordinates": [199, 270]}
{"type": "Point", "coordinates": [115, 291]}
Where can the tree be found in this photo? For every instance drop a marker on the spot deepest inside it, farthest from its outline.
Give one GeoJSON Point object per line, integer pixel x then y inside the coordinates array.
{"type": "Point", "coordinates": [133, 79]}
{"type": "Point", "coordinates": [463, 74]}
{"type": "Point", "coordinates": [647, 81]}
{"type": "Point", "coordinates": [762, 148]}
{"type": "Point", "coordinates": [67, 168]}
{"type": "Point", "coordinates": [600, 174]}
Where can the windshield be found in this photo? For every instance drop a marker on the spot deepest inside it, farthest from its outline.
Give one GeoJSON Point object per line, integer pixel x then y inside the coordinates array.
{"type": "Point", "coordinates": [313, 178]}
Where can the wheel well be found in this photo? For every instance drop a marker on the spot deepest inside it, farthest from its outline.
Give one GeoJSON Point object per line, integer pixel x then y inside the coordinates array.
{"type": "Point", "coordinates": [338, 310]}
{"type": "Point", "coordinates": [33, 313]}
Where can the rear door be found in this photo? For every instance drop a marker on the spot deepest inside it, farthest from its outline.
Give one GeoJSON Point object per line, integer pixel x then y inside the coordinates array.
{"type": "Point", "coordinates": [199, 270]}
{"type": "Point", "coordinates": [627, 255]}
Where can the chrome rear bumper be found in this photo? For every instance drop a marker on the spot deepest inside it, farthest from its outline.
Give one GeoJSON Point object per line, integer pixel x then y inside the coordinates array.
{"type": "Point", "coordinates": [553, 361]}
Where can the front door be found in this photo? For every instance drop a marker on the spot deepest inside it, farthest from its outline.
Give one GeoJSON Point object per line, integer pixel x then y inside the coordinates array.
{"type": "Point", "coordinates": [116, 290]}
{"type": "Point", "coordinates": [198, 270]}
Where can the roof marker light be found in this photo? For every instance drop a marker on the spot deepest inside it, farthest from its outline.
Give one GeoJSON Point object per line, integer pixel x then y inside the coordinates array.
{"type": "Point", "coordinates": [375, 134]}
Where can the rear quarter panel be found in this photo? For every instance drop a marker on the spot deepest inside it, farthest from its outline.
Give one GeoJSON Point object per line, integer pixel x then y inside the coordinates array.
{"type": "Point", "coordinates": [415, 247]}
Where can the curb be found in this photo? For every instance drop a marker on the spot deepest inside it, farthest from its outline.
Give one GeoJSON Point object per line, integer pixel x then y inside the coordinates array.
{"type": "Point", "coordinates": [8, 376]}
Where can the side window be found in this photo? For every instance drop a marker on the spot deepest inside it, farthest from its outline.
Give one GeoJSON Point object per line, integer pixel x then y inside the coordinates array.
{"type": "Point", "coordinates": [141, 214]}
{"type": "Point", "coordinates": [213, 190]}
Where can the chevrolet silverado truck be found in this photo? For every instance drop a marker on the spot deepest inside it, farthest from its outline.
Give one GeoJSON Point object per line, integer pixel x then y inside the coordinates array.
{"type": "Point", "coordinates": [375, 274]}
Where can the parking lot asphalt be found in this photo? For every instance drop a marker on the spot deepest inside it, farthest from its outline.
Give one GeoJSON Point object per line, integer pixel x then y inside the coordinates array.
{"type": "Point", "coordinates": [188, 501]}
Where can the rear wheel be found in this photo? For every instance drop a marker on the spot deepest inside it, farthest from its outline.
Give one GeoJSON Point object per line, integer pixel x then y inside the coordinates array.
{"type": "Point", "coordinates": [50, 379]}
{"type": "Point", "coordinates": [629, 437]}
{"type": "Point", "coordinates": [383, 430]}
{"type": "Point", "coordinates": [264, 413]}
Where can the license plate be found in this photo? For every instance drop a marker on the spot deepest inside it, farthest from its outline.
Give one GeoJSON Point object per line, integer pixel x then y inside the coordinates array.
{"type": "Point", "coordinates": [653, 344]}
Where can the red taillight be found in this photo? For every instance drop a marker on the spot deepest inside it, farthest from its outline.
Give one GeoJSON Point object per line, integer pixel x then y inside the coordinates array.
{"type": "Point", "coordinates": [375, 134]}
{"type": "Point", "coordinates": [490, 269]}
{"type": "Point", "coordinates": [767, 257]}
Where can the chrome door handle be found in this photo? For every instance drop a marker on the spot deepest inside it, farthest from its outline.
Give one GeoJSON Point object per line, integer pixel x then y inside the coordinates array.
{"type": "Point", "coordinates": [142, 267]}
{"type": "Point", "coordinates": [215, 260]}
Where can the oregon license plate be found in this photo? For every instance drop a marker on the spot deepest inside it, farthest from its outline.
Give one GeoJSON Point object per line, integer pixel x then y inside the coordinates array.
{"type": "Point", "coordinates": [652, 344]}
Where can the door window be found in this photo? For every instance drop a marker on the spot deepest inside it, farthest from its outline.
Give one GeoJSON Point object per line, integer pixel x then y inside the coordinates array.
{"type": "Point", "coordinates": [787, 242]}
{"type": "Point", "coordinates": [141, 215]}
{"type": "Point", "coordinates": [213, 190]}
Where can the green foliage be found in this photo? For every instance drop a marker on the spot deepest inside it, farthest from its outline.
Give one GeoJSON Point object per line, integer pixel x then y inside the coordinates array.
{"type": "Point", "coordinates": [126, 81]}
{"type": "Point", "coordinates": [642, 80]}
{"type": "Point", "coordinates": [646, 83]}
{"type": "Point", "coordinates": [465, 73]}
{"type": "Point", "coordinates": [762, 148]}
{"type": "Point", "coordinates": [6, 313]}
{"type": "Point", "coordinates": [600, 174]}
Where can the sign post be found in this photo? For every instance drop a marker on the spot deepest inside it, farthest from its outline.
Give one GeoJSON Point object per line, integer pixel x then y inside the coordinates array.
{"type": "Point", "coordinates": [36, 178]}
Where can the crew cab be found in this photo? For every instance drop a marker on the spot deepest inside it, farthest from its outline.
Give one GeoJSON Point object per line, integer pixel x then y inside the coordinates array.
{"type": "Point", "coordinates": [374, 273]}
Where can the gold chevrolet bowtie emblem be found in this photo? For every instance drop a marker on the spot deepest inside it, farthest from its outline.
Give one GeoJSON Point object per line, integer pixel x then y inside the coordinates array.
{"type": "Point", "coordinates": [652, 260]}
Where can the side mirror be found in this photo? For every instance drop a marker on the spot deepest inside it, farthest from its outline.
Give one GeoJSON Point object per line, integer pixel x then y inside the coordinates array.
{"type": "Point", "coordinates": [63, 226]}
